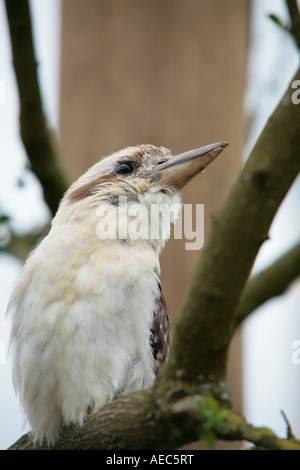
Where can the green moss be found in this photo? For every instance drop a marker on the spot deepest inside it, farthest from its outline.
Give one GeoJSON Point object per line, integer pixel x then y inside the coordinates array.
{"type": "Point", "coordinates": [211, 417]}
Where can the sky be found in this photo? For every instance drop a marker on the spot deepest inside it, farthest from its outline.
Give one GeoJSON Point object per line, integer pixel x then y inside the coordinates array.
{"type": "Point", "coordinates": [269, 334]}
{"type": "Point", "coordinates": [24, 205]}
{"type": "Point", "coordinates": [271, 380]}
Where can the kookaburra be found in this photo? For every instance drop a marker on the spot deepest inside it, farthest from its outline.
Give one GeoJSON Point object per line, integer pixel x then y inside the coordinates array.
{"type": "Point", "coordinates": [89, 321]}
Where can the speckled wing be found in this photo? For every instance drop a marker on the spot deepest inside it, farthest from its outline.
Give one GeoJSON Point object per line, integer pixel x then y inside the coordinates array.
{"type": "Point", "coordinates": [160, 331]}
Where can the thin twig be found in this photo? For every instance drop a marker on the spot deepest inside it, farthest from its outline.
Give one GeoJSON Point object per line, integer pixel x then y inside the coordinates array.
{"type": "Point", "coordinates": [38, 140]}
{"type": "Point", "coordinates": [271, 282]}
{"type": "Point", "coordinates": [289, 433]}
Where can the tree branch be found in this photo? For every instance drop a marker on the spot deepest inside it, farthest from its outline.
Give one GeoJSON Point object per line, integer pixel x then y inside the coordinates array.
{"type": "Point", "coordinates": [20, 245]}
{"type": "Point", "coordinates": [206, 321]}
{"type": "Point", "coordinates": [295, 20]}
{"type": "Point", "coordinates": [271, 282]}
{"type": "Point", "coordinates": [136, 423]}
{"type": "Point", "coordinates": [37, 138]}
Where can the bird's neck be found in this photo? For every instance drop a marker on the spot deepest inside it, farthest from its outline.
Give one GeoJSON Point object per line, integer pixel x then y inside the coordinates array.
{"type": "Point", "coordinates": [146, 221]}
{"type": "Point", "coordinates": [143, 221]}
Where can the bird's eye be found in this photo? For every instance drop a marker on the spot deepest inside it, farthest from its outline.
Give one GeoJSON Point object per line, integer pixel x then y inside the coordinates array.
{"type": "Point", "coordinates": [125, 168]}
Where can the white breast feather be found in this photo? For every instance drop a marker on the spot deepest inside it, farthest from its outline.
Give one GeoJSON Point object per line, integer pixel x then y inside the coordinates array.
{"type": "Point", "coordinates": [81, 319]}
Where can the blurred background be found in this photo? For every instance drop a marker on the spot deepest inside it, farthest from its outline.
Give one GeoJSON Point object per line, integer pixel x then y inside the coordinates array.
{"type": "Point", "coordinates": [176, 73]}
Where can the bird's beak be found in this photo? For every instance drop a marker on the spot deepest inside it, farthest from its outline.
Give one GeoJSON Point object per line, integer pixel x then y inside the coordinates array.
{"type": "Point", "coordinates": [179, 170]}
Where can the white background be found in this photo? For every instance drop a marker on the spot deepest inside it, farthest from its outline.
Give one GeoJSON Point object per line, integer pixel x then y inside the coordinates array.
{"type": "Point", "coordinates": [271, 380]}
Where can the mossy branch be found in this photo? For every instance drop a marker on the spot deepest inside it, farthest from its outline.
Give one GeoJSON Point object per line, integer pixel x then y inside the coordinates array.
{"type": "Point", "coordinates": [135, 422]}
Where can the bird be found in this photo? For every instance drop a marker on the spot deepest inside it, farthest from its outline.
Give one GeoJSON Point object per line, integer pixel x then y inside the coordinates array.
{"type": "Point", "coordinates": [89, 321]}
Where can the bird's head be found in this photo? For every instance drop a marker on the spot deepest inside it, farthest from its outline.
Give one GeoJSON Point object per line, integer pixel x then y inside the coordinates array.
{"type": "Point", "coordinates": [144, 174]}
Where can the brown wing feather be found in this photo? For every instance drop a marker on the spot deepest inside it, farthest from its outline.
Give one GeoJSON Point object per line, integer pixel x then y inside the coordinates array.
{"type": "Point", "coordinates": [160, 331]}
